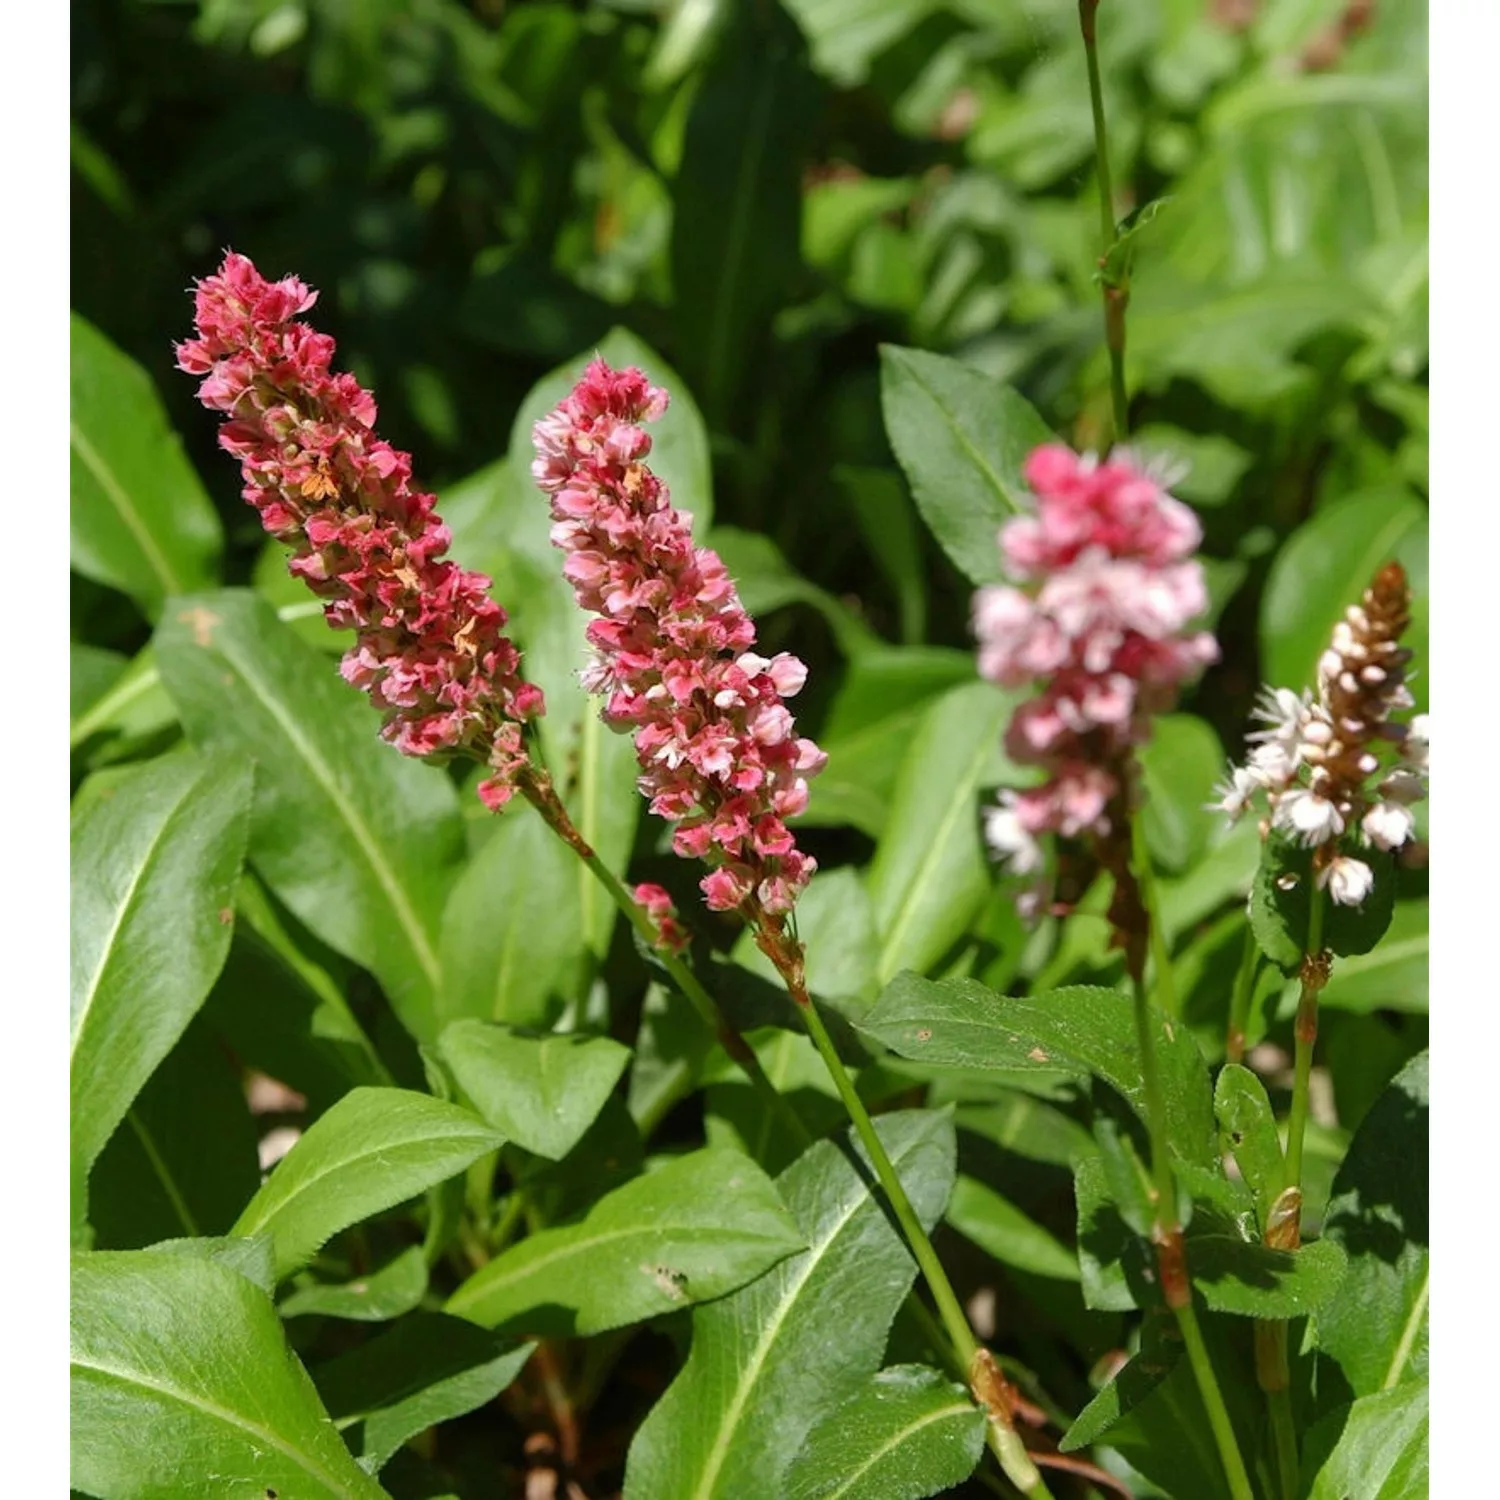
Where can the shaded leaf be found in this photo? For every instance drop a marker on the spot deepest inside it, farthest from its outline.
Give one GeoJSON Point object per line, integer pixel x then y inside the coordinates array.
{"type": "Point", "coordinates": [179, 1371]}
{"type": "Point", "coordinates": [542, 1093]}
{"type": "Point", "coordinates": [1281, 905]}
{"type": "Point", "coordinates": [1161, 1348]}
{"type": "Point", "coordinates": [1248, 1130]}
{"type": "Point", "coordinates": [428, 1369]}
{"type": "Point", "coordinates": [1376, 1328]}
{"type": "Point", "coordinates": [394, 1289]}
{"type": "Point", "coordinates": [692, 1230]}
{"type": "Point", "coordinates": [998, 1227]}
{"type": "Point", "coordinates": [375, 1148]}
{"type": "Point", "coordinates": [140, 519]}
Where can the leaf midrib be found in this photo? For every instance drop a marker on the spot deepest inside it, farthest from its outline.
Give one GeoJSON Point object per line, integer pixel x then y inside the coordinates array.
{"type": "Point", "coordinates": [719, 1450]}
{"type": "Point", "coordinates": [223, 1414]}
{"type": "Point", "coordinates": [114, 491]}
{"type": "Point", "coordinates": [126, 904]}
{"type": "Point", "coordinates": [385, 876]}
{"type": "Point", "coordinates": [652, 1232]}
{"type": "Point", "coordinates": [1408, 1336]}
{"type": "Point", "coordinates": [915, 887]}
{"type": "Point", "coordinates": [487, 1141]}
{"type": "Point", "coordinates": [944, 1414]}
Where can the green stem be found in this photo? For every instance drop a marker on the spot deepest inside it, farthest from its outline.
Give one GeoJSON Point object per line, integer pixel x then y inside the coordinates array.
{"type": "Point", "coordinates": [1003, 1440]}
{"type": "Point", "coordinates": [1213, 1401]}
{"type": "Point", "coordinates": [1314, 975]}
{"type": "Point", "coordinates": [539, 792]}
{"type": "Point", "coordinates": [1167, 1237]}
{"type": "Point", "coordinates": [1116, 295]}
{"type": "Point", "coordinates": [1284, 1429]}
{"type": "Point", "coordinates": [1239, 1004]}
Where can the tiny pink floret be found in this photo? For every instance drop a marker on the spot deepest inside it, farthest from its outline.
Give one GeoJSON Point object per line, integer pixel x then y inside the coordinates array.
{"type": "Point", "coordinates": [718, 749]}
{"type": "Point", "coordinates": [429, 648]}
{"type": "Point", "coordinates": [1110, 587]}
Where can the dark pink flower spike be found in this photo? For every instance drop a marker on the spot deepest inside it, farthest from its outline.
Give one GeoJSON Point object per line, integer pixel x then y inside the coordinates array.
{"type": "Point", "coordinates": [718, 750]}
{"type": "Point", "coordinates": [429, 650]}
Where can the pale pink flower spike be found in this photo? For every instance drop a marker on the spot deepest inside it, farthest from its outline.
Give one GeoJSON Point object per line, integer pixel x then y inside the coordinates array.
{"type": "Point", "coordinates": [1110, 586]}
{"type": "Point", "coordinates": [718, 749]}
{"type": "Point", "coordinates": [430, 650]}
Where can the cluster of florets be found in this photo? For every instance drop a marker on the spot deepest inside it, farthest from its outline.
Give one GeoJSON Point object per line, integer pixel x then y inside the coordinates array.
{"type": "Point", "coordinates": [1111, 584]}
{"type": "Point", "coordinates": [718, 749]}
{"type": "Point", "coordinates": [1318, 755]}
{"type": "Point", "coordinates": [430, 650]}
{"type": "Point", "coordinates": [656, 902]}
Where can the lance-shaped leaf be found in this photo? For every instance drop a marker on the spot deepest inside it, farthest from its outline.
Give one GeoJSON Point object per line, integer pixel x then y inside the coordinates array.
{"type": "Point", "coordinates": [180, 1371]}
{"type": "Point", "coordinates": [141, 521]}
{"type": "Point", "coordinates": [908, 1433]}
{"type": "Point", "coordinates": [427, 1369]}
{"type": "Point", "coordinates": [1161, 1348]}
{"type": "Point", "coordinates": [770, 1362]}
{"type": "Point", "coordinates": [359, 841]}
{"type": "Point", "coordinates": [997, 1226]}
{"type": "Point", "coordinates": [156, 853]}
{"type": "Point", "coordinates": [394, 1289]}
{"type": "Point", "coordinates": [692, 1230]}
{"type": "Point", "coordinates": [1248, 1130]}
{"type": "Point", "coordinates": [541, 1092]}
{"type": "Point", "coordinates": [1374, 1449]}
{"type": "Point", "coordinates": [930, 874]}
{"type": "Point", "coordinates": [375, 1148]}
{"type": "Point", "coordinates": [960, 1023]}
{"type": "Point", "coordinates": [962, 439]}
{"type": "Point", "coordinates": [1376, 1328]}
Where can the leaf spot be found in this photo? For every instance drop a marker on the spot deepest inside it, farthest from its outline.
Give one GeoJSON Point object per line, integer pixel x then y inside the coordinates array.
{"type": "Point", "coordinates": [226, 915]}
{"type": "Point", "coordinates": [670, 1282]}
{"type": "Point", "coordinates": [1037, 1055]}
{"type": "Point", "coordinates": [202, 622]}
{"type": "Point", "coordinates": [923, 1034]}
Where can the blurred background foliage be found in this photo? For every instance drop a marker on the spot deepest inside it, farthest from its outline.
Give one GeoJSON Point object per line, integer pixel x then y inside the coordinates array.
{"type": "Point", "coordinates": [765, 194]}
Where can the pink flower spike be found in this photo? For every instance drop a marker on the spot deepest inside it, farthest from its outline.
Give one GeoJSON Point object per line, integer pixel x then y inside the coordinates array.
{"type": "Point", "coordinates": [674, 659]}
{"type": "Point", "coordinates": [429, 648]}
{"type": "Point", "coordinates": [1107, 588]}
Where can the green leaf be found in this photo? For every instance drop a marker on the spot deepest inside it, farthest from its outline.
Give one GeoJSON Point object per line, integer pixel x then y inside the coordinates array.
{"type": "Point", "coordinates": [998, 1227]}
{"type": "Point", "coordinates": [737, 199]}
{"type": "Point", "coordinates": [876, 712]}
{"type": "Point", "coordinates": [908, 1433]}
{"type": "Point", "coordinates": [134, 712]}
{"type": "Point", "coordinates": [692, 1230]}
{"type": "Point", "coordinates": [960, 1023]}
{"type": "Point", "coordinates": [180, 1371]}
{"type": "Point", "coordinates": [1248, 1130]}
{"type": "Point", "coordinates": [847, 36]}
{"type": "Point", "coordinates": [359, 841]}
{"type": "Point", "coordinates": [1179, 766]}
{"type": "Point", "coordinates": [184, 1161]}
{"type": "Point", "coordinates": [141, 521]}
{"type": "Point", "coordinates": [1113, 1260]}
{"type": "Point", "coordinates": [394, 1289]}
{"type": "Point", "coordinates": [770, 1362]}
{"type": "Point", "coordinates": [253, 1258]}
{"type": "Point", "coordinates": [1376, 1328]}
{"type": "Point", "coordinates": [1281, 905]}
{"type": "Point", "coordinates": [1161, 1348]}
{"type": "Point", "coordinates": [962, 439]}
{"type": "Point", "coordinates": [930, 875]}
{"type": "Point", "coordinates": [375, 1148]}
{"type": "Point", "coordinates": [1325, 566]}
{"type": "Point", "coordinates": [1374, 1449]}
{"type": "Point", "coordinates": [1236, 1276]}
{"type": "Point", "coordinates": [1393, 976]}
{"type": "Point", "coordinates": [155, 855]}
{"type": "Point", "coordinates": [887, 523]}
{"type": "Point", "coordinates": [542, 1093]}
{"type": "Point", "coordinates": [513, 937]}
{"type": "Point", "coordinates": [427, 1369]}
